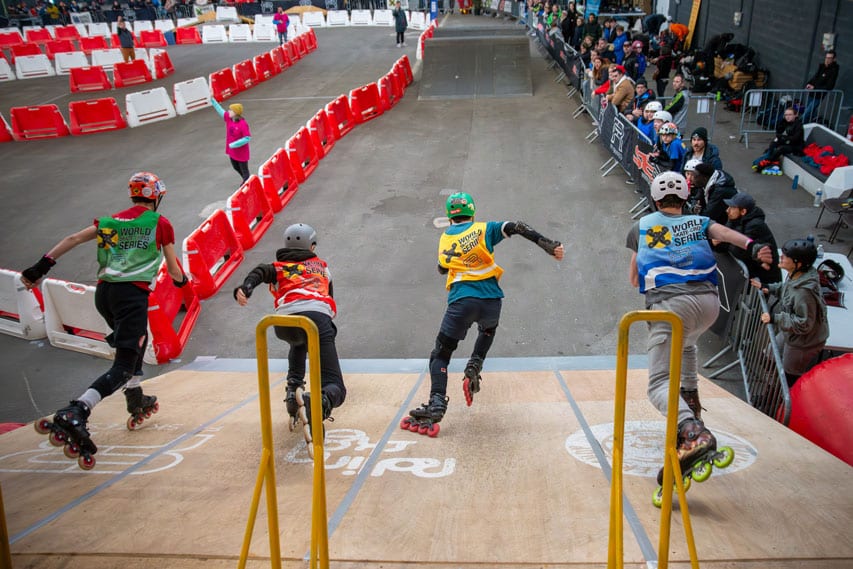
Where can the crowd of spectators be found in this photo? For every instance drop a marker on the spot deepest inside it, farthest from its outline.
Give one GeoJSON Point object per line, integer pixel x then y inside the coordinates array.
{"type": "Point", "coordinates": [59, 13]}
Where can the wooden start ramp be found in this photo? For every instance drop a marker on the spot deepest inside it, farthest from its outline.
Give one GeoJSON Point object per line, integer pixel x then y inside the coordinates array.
{"type": "Point", "coordinates": [518, 480]}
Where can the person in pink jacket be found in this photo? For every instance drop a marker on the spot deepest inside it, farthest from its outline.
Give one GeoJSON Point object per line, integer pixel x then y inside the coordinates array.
{"type": "Point", "coordinates": [237, 136]}
{"type": "Point", "coordinates": [281, 21]}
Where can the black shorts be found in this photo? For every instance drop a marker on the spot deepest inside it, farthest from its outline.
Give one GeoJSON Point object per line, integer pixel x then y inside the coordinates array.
{"type": "Point", "coordinates": [124, 306]}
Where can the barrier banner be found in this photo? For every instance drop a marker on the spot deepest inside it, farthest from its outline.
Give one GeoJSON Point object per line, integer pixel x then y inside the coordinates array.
{"type": "Point", "coordinates": [732, 280]}
{"type": "Point", "coordinates": [619, 137]}
{"type": "Point", "coordinates": [645, 169]}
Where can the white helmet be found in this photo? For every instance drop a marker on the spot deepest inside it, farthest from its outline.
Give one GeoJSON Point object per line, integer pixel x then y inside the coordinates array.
{"type": "Point", "coordinates": [669, 184]}
{"type": "Point", "coordinates": [663, 116]}
{"type": "Point", "coordinates": [653, 106]}
{"type": "Point", "coordinates": [691, 165]}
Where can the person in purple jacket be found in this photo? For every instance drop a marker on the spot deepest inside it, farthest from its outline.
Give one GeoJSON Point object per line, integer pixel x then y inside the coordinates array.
{"type": "Point", "coordinates": [237, 136]}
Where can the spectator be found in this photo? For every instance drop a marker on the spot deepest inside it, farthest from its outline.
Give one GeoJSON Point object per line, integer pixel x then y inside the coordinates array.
{"type": "Point", "coordinates": [646, 123]}
{"type": "Point", "coordinates": [578, 37]}
{"type": "Point", "coordinates": [668, 153]}
{"type": "Point", "coordinates": [652, 24]}
{"type": "Point", "coordinates": [400, 24]}
{"type": "Point", "coordinates": [641, 97]}
{"type": "Point", "coordinates": [664, 60]}
{"type": "Point", "coordinates": [125, 39]}
{"type": "Point", "coordinates": [569, 23]}
{"type": "Point", "coordinates": [800, 316]}
{"type": "Point", "coordinates": [620, 39]}
{"type": "Point", "coordinates": [659, 119]}
{"type": "Point", "coordinates": [554, 16]}
{"type": "Point", "coordinates": [281, 21]}
{"type": "Point", "coordinates": [703, 150]}
{"type": "Point", "coordinates": [608, 29]}
{"type": "Point", "coordinates": [790, 139]}
{"type": "Point", "coordinates": [747, 218]}
{"type": "Point", "coordinates": [237, 136]}
{"type": "Point", "coordinates": [709, 188]}
{"type": "Point", "coordinates": [592, 27]}
{"type": "Point", "coordinates": [605, 50]}
{"type": "Point", "coordinates": [823, 80]}
{"type": "Point", "coordinates": [171, 7]}
{"type": "Point", "coordinates": [680, 102]}
{"type": "Point", "coordinates": [52, 12]}
{"type": "Point", "coordinates": [555, 32]}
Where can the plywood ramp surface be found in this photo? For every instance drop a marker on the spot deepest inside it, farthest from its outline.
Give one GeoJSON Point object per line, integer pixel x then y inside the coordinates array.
{"type": "Point", "coordinates": [519, 479]}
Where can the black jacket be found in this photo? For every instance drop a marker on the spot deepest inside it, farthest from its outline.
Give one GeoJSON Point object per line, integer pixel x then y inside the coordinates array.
{"type": "Point", "coordinates": [753, 225]}
{"type": "Point", "coordinates": [720, 187]}
{"type": "Point", "coordinates": [791, 134]}
{"type": "Point", "coordinates": [825, 77]}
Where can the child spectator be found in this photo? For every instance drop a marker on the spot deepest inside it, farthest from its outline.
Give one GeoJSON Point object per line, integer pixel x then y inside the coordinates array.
{"type": "Point", "coordinates": [668, 153]}
{"type": "Point", "coordinates": [790, 138]}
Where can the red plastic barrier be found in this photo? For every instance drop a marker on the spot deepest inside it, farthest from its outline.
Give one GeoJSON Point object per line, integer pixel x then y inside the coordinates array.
{"type": "Point", "coordinates": [249, 212]}
{"type": "Point", "coordinates": [279, 179]}
{"type": "Point", "coordinates": [292, 53]}
{"type": "Point", "coordinates": [5, 134]}
{"type": "Point", "coordinates": [9, 39]}
{"type": "Point", "coordinates": [406, 67]}
{"type": "Point", "coordinates": [340, 116]}
{"type": "Point", "coordinates": [25, 49]}
{"type": "Point", "coordinates": [264, 68]}
{"type": "Point", "coordinates": [244, 74]}
{"type": "Point", "coordinates": [89, 79]}
{"type": "Point", "coordinates": [387, 92]}
{"type": "Point", "coordinates": [303, 154]}
{"type": "Point", "coordinates": [276, 60]}
{"type": "Point", "coordinates": [223, 85]}
{"type": "Point", "coordinates": [152, 38]}
{"type": "Point", "coordinates": [299, 44]}
{"type": "Point", "coordinates": [822, 406]}
{"type": "Point", "coordinates": [310, 40]}
{"type": "Point", "coordinates": [280, 57]}
{"type": "Point", "coordinates": [53, 47]}
{"type": "Point", "coordinates": [66, 33]}
{"type": "Point", "coordinates": [39, 35]}
{"type": "Point", "coordinates": [96, 115]}
{"type": "Point", "coordinates": [44, 121]}
{"type": "Point", "coordinates": [91, 43]}
{"type": "Point", "coordinates": [322, 133]}
{"type": "Point", "coordinates": [163, 65]}
{"type": "Point", "coordinates": [211, 254]}
{"type": "Point", "coordinates": [366, 103]}
{"type": "Point", "coordinates": [185, 36]}
{"type": "Point", "coordinates": [172, 314]}
{"type": "Point", "coordinates": [131, 73]}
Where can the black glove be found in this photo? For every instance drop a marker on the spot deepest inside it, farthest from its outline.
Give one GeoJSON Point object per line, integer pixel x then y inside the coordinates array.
{"type": "Point", "coordinates": [246, 288]}
{"type": "Point", "coordinates": [181, 283]}
{"type": "Point", "coordinates": [753, 248]}
{"type": "Point", "coordinates": [548, 245]}
{"type": "Point", "coordinates": [40, 269]}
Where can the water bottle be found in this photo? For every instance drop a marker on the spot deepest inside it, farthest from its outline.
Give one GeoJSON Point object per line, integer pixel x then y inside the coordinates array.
{"type": "Point", "coordinates": [818, 197]}
{"type": "Point", "coordinates": [810, 239]}
{"type": "Point", "coordinates": [796, 182]}
{"type": "Point", "coordinates": [820, 251]}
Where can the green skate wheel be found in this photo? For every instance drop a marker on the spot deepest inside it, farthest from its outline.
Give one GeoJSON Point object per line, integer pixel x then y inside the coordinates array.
{"type": "Point", "coordinates": [686, 481]}
{"type": "Point", "coordinates": [725, 456]}
{"type": "Point", "coordinates": [702, 472]}
{"type": "Point", "coordinates": [657, 497]}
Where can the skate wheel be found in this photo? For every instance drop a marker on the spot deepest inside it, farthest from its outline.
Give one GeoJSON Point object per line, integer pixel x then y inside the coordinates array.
{"type": "Point", "coordinates": [657, 497]}
{"type": "Point", "coordinates": [42, 426]}
{"type": "Point", "coordinates": [56, 438]}
{"type": "Point", "coordinates": [132, 423]}
{"type": "Point", "coordinates": [466, 389]}
{"type": "Point", "coordinates": [432, 430]}
{"type": "Point", "coordinates": [724, 457]}
{"type": "Point", "coordinates": [147, 414]}
{"type": "Point", "coordinates": [686, 480]}
{"type": "Point", "coordinates": [86, 462]}
{"type": "Point", "coordinates": [155, 408]}
{"type": "Point", "coordinates": [71, 450]}
{"type": "Point", "coordinates": [702, 472]}
{"type": "Point", "coordinates": [406, 423]}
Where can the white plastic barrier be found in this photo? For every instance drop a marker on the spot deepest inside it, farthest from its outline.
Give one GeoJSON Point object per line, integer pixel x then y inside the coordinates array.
{"type": "Point", "coordinates": [239, 33]}
{"type": "Point", "coordinates": [263, 19]}
{"type": "Point", "coordinates": [82, 30]}
{"type": "Point", "coordinates": [214, 34]}
{"type": "Point", "coordinates": [106, 58]}
{"type": "Point", "coordinates": [20, 312]}
{"type": "Point", "coordinates": [417, 21]}
{"type": "Point", "coordinates": [264, 33]}
{"type": "Point", "coordinates": [6, 73]}
{"type": "Point", "coordinates": [114, 27]}
{"type": "Point", "coordinates": [99, 29]}
{"type": "Point", "coordinates": [164, 26]}
{"type": "Point", "coordinates": [71, 320]}
{"type": "Point", "coordinates": [383, 18]}
{"type": "Point", "coordinates": [149, 106]}
{"type": "Point", "coordinates": [142, 25]}
{"type": "Point", "coordinates": [182, 22]}
{"type": "Point", "coordinates": [337, 18]}
{"type": "Point", "coordinates": [32, 66]}
{"type": "Point", "coordinates": [313, 19]}
{"type": "Point", "coordinates": [360, 18]}
{"type": "Point", "coordinates": [227, 14]}
{"type": "Point", "coordinates": [191, 95]}
{"type": "Point", "coordinates": [65, 61]}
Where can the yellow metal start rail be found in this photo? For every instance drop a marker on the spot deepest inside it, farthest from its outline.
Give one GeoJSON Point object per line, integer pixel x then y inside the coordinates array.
{"type": "Point", "coordinates": [671, 466]}
{"type": "Point", "coordinates": [319, 554]}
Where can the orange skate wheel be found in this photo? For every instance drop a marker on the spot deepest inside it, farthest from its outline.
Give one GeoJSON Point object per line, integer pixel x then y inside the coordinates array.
{"type": "Point", "coordinates": [86, 462]}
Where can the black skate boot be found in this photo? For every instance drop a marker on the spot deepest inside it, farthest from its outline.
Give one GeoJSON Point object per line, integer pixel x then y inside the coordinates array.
{"type": "Point", "coordinates": [425, 419]}
{"type": "Point", "coordinates": [290, 403]}
{"type": "Point", "coordinates": [691, 397]}
{"type": "Point", "coordinates": [471, 383]}
{"type": "Point", "coordinates": [68, 430]}
{"type": "Point", "coordinates": [303, 399]}
{"type": "Point", "coordinates": [139, 406]}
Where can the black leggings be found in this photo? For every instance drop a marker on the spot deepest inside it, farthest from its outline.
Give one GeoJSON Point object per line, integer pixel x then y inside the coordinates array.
{"type": "Point", "coordinates": [241, 167]}
{"type": "Point", "coordinates": [400, 38]}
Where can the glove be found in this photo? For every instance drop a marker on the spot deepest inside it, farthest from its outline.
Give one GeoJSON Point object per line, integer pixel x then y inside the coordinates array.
{"type": "Point", "coordinates": [40, 269]}
{"type": "Point", "coordinates": [754, 247]}
{"type": "Point", "coordinates": [246, 288]}
{"type": "Point", "coordinates": [548, 245]}
{"type": "Point", "coordinates": [181, 283]}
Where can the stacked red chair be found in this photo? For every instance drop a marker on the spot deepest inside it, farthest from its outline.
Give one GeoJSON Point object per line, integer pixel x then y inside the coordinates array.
{"type": "Point", "coordinates": [152, 38]}
{"type": "Point", "coordinates": [340, 116]}
{"type": "Point", "coordinates": [88, 79]}
{"type": "Point", "coordinates": [244, 74]}
{"type": "Point", "coordinates": [162, 65]}
{"type": "Point", "coordinates": [92, 43]}
{"type": "Point", "coordinates": [187, 36]}
{"type": "Point", "coordinates": [134, 72]}
{"type": "Point", "coordinates": [66, 33]}
{"type": "Point", "coordinates": [322, 133]}
{"type": "Point", "coordinates": [53, 47]}
{"type": "Point", "coordinates": [264, 67]}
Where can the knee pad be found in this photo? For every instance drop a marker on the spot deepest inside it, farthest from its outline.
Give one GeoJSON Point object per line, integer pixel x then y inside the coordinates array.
{"type": "Point", "coordinates": [444, 347]}
{"type": "Point", "coordinates": [490, 331]}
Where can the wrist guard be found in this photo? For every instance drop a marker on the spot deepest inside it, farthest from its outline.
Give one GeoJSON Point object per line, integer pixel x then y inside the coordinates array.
{"type": "Point", "coordinates": [548, 245]}
{"type": "Point", "coordinates": [40, 269]}
{"type": "Point", "coordinates": [181, 283]}
{"type": "Point", "coordinates": [246, 288]}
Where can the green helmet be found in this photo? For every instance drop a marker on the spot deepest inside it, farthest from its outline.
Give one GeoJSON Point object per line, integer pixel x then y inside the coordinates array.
{"type": "Point", "coordinates": [460, 204]}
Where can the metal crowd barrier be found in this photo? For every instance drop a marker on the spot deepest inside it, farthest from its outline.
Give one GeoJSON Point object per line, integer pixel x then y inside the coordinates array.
{"type": "Point", "coordinates": [762, 109]}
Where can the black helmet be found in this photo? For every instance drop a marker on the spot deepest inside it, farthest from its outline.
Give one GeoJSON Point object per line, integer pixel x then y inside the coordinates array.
{"type": "Point", "coordinates": [800, 251]}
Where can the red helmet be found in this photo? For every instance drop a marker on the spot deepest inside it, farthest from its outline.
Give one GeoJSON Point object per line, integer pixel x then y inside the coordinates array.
{"type": "Point", "coordinates": [145, 185]}
{"type": "Point", "coordinates": [637, 45]}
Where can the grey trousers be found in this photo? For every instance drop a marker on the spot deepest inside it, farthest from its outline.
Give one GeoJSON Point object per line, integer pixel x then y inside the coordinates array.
{"type": "Point", "coordinates": [698, 313]}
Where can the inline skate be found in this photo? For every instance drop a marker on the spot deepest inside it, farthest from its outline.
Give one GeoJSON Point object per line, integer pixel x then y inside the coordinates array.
{"type": "Point", "coordinates": [68, 430]}
{"type": "Point", "coordinates": [139, 406]}
{"type": "Point", "coordinates": [425, 419]}
{"type": "Point", "coordinates": [471, 382]}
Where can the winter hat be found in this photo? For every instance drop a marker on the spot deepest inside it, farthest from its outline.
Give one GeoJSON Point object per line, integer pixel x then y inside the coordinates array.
{"type": "Point", "coordinates": [237, 108]}
{"type": "Point", "coordinates": [705, 169]}
{"type": "Point", "coordinates": [741, 200]}
{"type": "Point", "coordinates": [700, 132]}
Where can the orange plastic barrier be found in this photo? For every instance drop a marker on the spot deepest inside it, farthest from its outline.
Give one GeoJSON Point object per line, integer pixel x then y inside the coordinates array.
{"type": "Point", "coordinates": [211, 254]}
{"type": "Point", "coordinates": [53, 47]}
{"type": "Point", "coordinates": [292, 53]}
{"type": "Point", "coordinates": [10, 38]}
{"type": "Point", "coordinates": [249, 212]}
{"type": "Point", "coordinates": [131, 73]}
{"type": "Point", "coordinates": [340, 116]}
{"type": "Point", "coordinates": [310, 40]}
{"type": "Point", "coordinates": [152, 38]}
{"type": "Point", "coordinates": [25, 49]}
{"type": "Point", "coordinates": [172, 314]}
{"type": "Point", "coordinates": [163, 65]}
{"type": "Point", "coordinates": [38, 35]}
{"type": "Point", "coordinates": [66, 33]}
{"type": "Point", "coordinates": [89, 79]}
{"type": "Point", "coordinates": [299, 44]}
{"type": "Point", "coordinates": [404, 64]}
{"type": "Point", "coordinates": [388, 91]}
{"type": "Point", "coordinates": [244, 74]}
{"type": "Point", "coordinates": [366, 103]}
{"type": "Point", "coordinates": [322, 133]}
{"type": "Point", "coordinates": [279, 179]}
{"type": "Point", "coordinates": [264, 68]}
{"type": "Point", "coordinates": [91, 43]}
{"type": "Point", "coordinates": [96, 115]}
{"type": "Point", "coordinates": [223, 85]}
{"type": "Point", "coordinates": [185, 36]}
{"type": "Point", "coordinates": [303, 154]}
{"type": "Point", "coordinates": [44, 121]}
